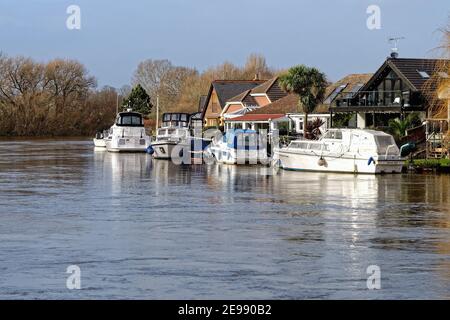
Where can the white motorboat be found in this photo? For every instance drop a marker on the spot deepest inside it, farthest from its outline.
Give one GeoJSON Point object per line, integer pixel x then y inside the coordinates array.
{"type": "Point", "coordinates": [343, 150]}
{"type": "Point", "coordinates": [174, 131]}
{"type": "Point", "coordinates": [100, 139]}
{"type": "Point", "coordinates": [239, 147]}
{"type": "Point", "coordinates": [126, 135]}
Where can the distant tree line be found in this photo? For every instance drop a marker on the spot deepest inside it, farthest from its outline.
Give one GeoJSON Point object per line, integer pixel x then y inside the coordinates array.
{"type": "Point", "coordinates": [54, 98]}
{"type": "Point", "coordinates": [60, 97]}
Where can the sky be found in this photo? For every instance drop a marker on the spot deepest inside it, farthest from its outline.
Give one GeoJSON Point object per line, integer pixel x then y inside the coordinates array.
{"type": "Point", "coordinates": [116, 35]}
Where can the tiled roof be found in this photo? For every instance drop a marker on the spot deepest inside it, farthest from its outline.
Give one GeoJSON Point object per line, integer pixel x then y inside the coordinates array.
{"type": "Point", "coordinates": [410, 69]}
{"type": "Point", "coordinates": [271, 89]}
{"type": "Point", "coordinates": [263, 88]}
{"type": "Point", "coordinates": [258, 117]}
{"type": "Point", "coordinates": [288, 104]}
{"type": "Point", "coordinates": [227, 89]}
{"type": "Point", "coordinates": [244, 98]}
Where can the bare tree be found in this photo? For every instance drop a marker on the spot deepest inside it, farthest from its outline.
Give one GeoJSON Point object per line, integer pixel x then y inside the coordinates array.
{"type": "Point", "coordinates": [151, 74]}
{"type": "Point", "coordinates": [67, 79]}
{"type": "Point", "coordinates": [256, 65]}
{"type": "Point", "coordinates": [161, 78]}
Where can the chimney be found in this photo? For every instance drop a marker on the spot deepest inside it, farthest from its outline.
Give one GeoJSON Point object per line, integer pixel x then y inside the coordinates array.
{"type": "Point", "coordinates": [256, 77]}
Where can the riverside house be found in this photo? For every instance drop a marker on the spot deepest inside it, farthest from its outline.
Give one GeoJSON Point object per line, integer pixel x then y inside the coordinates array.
{"type": "Point", "coordinates": [260, 96]}
{"type": "Point", "coordinates": [220, 91]}
{"type": "Point", "coordinates": [397, 88]}
{"type": "Point", "coordinates": [285, 113]}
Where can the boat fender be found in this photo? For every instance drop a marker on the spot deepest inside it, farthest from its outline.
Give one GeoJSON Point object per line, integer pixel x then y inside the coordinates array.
{"type": "Point", "coordinates": [322, 162]}
{"type": "Point", "coordinates": [150, 150]}
{"type": "Point", "coordinates": [371, 159]}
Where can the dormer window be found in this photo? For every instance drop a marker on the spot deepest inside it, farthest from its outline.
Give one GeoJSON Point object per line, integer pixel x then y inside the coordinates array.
{"type": "Point", "coordinates": [423, 74]}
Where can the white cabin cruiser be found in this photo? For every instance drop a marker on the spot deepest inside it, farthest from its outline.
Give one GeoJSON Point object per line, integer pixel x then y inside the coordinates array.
{"type": "Point", "coordinates": [127, 134]}
{"type": "Point", "coordinates": [174, 130]}
{"type": "Point", "coordinates": [239, 147]}
{"type": "Point", "coordinates": [343, 150]}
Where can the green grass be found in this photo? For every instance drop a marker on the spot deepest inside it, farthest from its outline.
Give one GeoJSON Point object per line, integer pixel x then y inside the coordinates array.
{"type": "Point", "coordinates": [431, 163]}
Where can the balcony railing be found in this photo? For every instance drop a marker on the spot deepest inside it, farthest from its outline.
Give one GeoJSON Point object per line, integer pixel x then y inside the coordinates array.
{"type": "Point", "coordinates": [372, 99]}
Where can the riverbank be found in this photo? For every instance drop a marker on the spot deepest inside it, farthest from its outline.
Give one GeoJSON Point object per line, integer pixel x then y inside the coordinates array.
{"type": "Point", "coordinates": [429, 165]}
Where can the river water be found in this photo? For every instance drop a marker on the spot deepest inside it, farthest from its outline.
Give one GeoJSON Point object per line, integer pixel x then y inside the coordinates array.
{"type": "Point", "coordinates": [143, 228]}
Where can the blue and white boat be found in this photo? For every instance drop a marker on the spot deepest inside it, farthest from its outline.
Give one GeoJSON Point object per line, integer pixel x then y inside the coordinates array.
{"type": "Point", "coordinates": [239, 146]}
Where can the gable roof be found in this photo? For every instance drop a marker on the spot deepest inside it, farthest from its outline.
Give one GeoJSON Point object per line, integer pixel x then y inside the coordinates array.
{"type": "Point", "coordinates": [271, 89]}
{"type": "Point", "coordinates": [408, 70]}
{"type": "Point", "coordinates": [226, 89]}
{"type": "Point", "coordinates": [244, 97]}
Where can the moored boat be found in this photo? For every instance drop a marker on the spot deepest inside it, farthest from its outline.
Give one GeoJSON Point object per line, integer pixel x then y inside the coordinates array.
{"type": "Point", "coordinates": [100, 139]}
{"type": "Point", "coordinates": [239, 147]}
{"type": "Point", "coordinates": [343, 150]}
{"type": "Point", "coordinates": [128, 134]}
{"type": "Point", "coordinates": [174, 131]}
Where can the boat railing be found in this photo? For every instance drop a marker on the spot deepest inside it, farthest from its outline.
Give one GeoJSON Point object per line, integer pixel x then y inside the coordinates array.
{"type": "Point", "coordinates": [388, 149]}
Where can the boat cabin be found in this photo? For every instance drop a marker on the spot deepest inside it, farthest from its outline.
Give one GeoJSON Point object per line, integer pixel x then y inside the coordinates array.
{"type": "Point", "coordinates": [175, 120]}
{"type": "Point", "coordinates": [349, 140]}
{"type": "Point", "coordinates": [168, 133]}
{"type": "Point", "coordinates": [129, 119]}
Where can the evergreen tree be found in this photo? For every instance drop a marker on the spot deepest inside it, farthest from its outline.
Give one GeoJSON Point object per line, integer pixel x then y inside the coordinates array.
{"type": "Point", "coordinates": [138, 100]}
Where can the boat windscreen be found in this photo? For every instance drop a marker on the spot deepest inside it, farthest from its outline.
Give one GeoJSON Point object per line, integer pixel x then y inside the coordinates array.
{"type": "Point", "coordinates": [333, 135]}
{"type": "Point", "coordinates": [386, 144]}
{"type": "Point", "coordinates": [130, 120]}
{"type": "Point", "coordinates": [299, 145]}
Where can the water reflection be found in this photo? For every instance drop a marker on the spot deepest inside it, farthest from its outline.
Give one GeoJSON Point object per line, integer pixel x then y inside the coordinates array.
{"type": "Point", "coordinates": [144, 228]}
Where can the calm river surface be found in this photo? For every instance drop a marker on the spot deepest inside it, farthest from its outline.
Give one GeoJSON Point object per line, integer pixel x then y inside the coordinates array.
{"type": "Point", "coordinates": [143, 228]}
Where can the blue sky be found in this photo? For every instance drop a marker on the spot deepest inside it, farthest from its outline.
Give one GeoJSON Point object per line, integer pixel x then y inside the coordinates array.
{"type": "Point", "coordinates": [116, 35]}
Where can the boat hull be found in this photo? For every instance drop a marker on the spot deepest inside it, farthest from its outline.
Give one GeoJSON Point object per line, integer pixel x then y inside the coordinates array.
{"type": "Point", "coordinates": [99, 143]}
{"type": "Point", "coordinates": [163, 150]}
{"type": "Point", "coordinates": [231, 156]}
{"type": "Point", "coordinates": [304, 162]}
{"type": "Point", "coordinates": [128, 144]}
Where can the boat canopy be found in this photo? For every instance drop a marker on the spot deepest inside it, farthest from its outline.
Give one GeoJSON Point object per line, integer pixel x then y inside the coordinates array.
{"type": "Point", "coordinates": [129, 119]}
{"type": "Point", "coordinates": [242, 139]}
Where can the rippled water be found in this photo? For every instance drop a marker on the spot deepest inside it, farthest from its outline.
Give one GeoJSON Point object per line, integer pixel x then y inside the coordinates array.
{"type": "Point", "coordinates": [143, 228]}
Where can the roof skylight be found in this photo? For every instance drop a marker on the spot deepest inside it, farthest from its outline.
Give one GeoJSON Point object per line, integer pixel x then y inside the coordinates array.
{"type": "Point", "coordinates": [423, 74]}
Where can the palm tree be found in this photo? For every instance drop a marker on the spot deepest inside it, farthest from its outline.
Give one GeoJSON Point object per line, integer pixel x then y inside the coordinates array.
{"type": "Point", "coordinates": [309, 84]}
{"type": "Point", "coordinates": [399, 126]}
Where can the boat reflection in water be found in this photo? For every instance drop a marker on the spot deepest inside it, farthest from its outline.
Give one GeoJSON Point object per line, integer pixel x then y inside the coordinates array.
{"type": "Point", "coordinates": [146, 228]}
